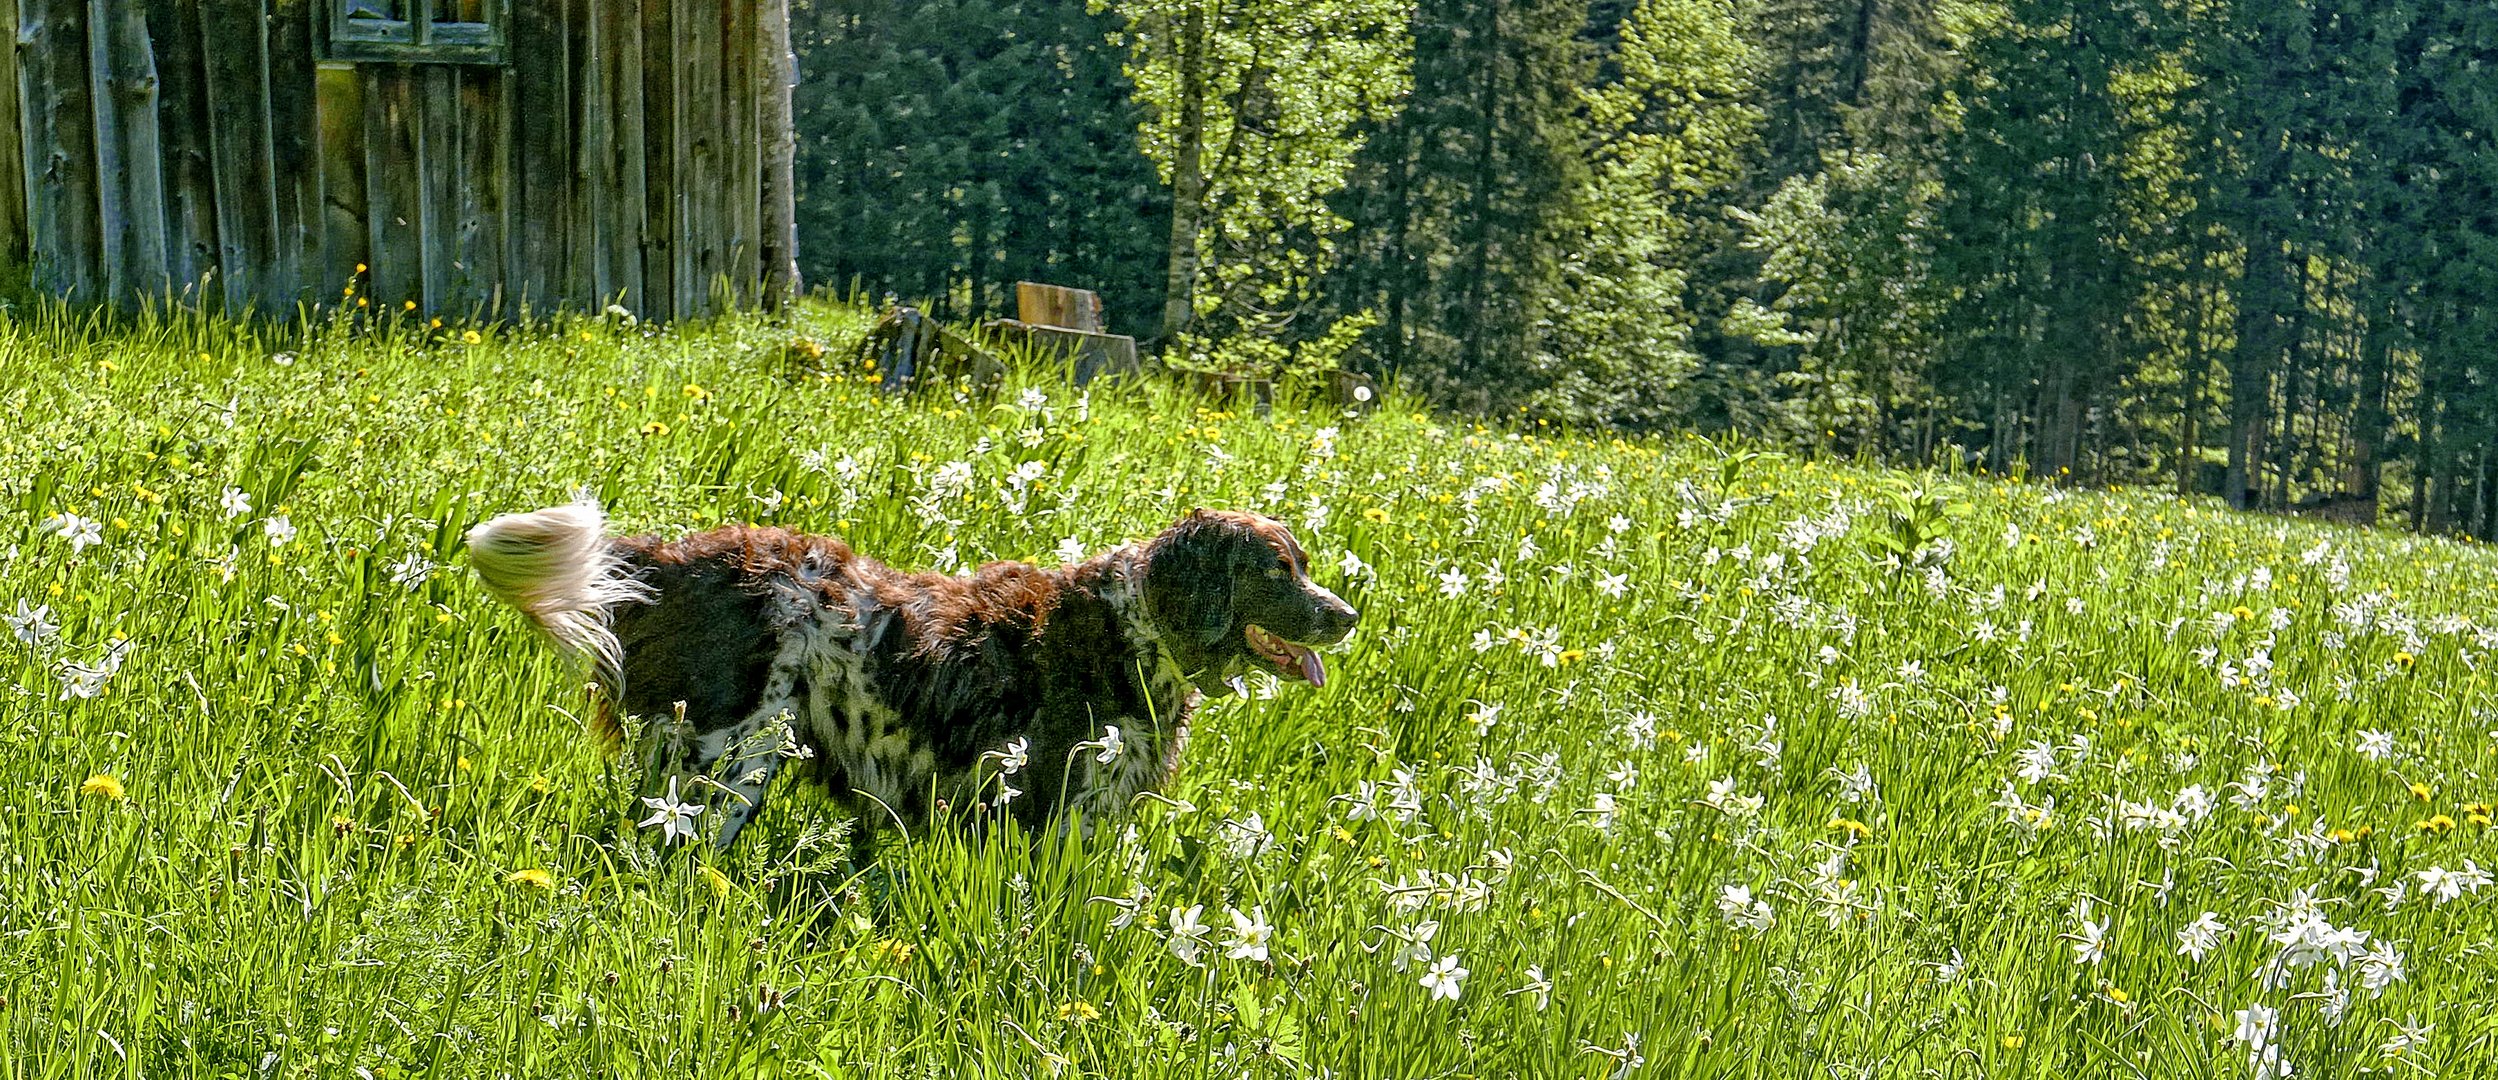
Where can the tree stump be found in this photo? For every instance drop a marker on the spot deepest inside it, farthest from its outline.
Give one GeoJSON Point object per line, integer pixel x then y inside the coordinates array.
{"type": "Point", "coordinates": [1088, 355]}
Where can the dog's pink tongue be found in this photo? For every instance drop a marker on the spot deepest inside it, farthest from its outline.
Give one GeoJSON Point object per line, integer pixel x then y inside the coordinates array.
{"type": "Point", "coordinates": [1311, 668]}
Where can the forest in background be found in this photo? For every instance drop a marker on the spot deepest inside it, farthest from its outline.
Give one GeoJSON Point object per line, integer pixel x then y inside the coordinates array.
{"type": "Point", "coordinates": [2237, 248]}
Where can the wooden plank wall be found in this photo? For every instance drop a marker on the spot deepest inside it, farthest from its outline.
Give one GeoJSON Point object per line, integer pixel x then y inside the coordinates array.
{"type": "Point", "coordinates": [200, 149]}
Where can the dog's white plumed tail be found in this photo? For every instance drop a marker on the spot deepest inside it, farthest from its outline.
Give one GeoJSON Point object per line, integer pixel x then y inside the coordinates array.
{"type": "Point", "coordinates": [555, 565]}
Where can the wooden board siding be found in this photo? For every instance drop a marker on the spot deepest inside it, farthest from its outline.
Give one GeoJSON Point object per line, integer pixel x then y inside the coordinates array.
{"type": "Point", "coordinates": [204, 149]}
{"type": "Point", "coordinates": [58, 130]}
{"type": "Point", "coordinates": [12, 155]}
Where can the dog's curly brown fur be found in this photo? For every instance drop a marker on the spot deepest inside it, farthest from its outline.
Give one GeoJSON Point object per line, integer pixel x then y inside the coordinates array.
{"type": "Point", "coordinates": [915, 688]}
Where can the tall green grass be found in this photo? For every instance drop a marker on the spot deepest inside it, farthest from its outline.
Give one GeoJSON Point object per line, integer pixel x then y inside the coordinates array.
{"type": "Point", "coordinates": [333, 812]}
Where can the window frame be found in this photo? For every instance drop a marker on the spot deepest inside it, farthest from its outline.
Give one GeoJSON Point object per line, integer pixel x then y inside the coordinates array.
{"type": "Point", "coordinates": [419, 39]}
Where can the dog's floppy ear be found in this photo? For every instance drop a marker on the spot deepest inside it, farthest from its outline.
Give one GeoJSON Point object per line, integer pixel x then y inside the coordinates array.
{"type": "Point", "coordinates": [1188, 579]}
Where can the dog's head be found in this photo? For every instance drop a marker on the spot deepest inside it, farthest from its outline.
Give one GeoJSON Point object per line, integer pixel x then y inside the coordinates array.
{"type": "Point", "coordinates": [1231, 592]}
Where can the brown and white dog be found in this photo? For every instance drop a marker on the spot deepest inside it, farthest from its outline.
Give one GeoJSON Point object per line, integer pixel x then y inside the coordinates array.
{"type": "Point", "coordinates": [1069, 688]}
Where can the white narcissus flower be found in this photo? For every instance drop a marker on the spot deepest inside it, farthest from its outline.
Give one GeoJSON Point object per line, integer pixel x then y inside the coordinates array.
{"type": "Point", "coordinates": [1187, 936]}
{"type": "Point", "coordinates": [1741, 910]}
{"type": "Point", "coordinates": [1112, 745]}
{"type": "Point", "coordinates": [81, 532]}
{"type": "Point", "coordinates": [1352, 566]}
{"type": "Point", "coordinates": [235, 503]}
{"type": "Point", "coordinates": [1250, 935]}
{"type": "Point", "coordinates": [673, 816]}
{"type": "Point", "coordinates": [2376, 745]}
{"type": "Point", "coordinates": [1538, 988]}
{"type": "Point", "coordinates": [2443, 885]}
{"type": "Point", "coordinates": [1445, 979]}
{"type": "Point", "coordinates": [2090, 941]}
{"type": "Point", "coordinates": [2200, 936]}
{"type": "Point", "coordinates": [32, 625]}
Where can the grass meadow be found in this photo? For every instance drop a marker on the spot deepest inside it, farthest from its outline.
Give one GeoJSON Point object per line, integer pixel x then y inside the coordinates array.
{"type": "Point", "coordinates": [1651, 758]}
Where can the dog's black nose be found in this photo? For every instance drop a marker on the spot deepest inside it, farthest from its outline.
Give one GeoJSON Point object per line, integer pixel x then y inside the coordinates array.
{"type": "Point", "coordinates": [1342, 616]}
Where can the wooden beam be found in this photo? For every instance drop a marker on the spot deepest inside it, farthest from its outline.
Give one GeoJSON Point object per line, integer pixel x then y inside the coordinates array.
{"type": "Point", "coordinates": [392, 167]}
{"type": "Point", "coordinates": [662, 179]}
{"type": "Point", "coordinates": [13, 248]}
{"type": "Point", "coordinates": [346, 235]}
{"type": "Point", "coordinates": [741, 195]}
{"type": "Point", "coordinates": [780, 156]}
{"type": "Point", "coordinates": [59, 147]}
{"type": "Point", "coordinates": [698, 54]}
{"type": "Point", "coordinates": [1058, 305]}
{"type": "Point", "coordinates": [234, 39]}
{"type": "Point", "coordinates": [592, 260]}
{"type": "Point", "coordinates": [129, 167]}
{"type": "Point", "coordinates": [629, 193]}
{"type": "Point", "coordinates": [437, 107]}
{"type": "Point", "coordinates": [482, 226]}
{"type": "Point", "coordinates": [542, 138]}
{"type": "Point", "coordinates": [182, 137]}
{"type": "Point", "coordinates": [294, 157]}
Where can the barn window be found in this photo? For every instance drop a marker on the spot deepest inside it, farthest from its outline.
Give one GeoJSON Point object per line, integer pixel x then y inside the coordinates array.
{"type": "Point", "coordinates": [419, 31]}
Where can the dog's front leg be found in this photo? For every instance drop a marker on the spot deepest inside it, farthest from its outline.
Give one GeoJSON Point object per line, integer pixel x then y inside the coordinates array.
{"type": "Point", "coordinates": [741, 773]}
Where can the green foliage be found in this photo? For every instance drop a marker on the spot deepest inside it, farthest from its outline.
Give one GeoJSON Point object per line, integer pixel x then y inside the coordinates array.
{"type": "Point", "coordinates": [1669, 138]}
{"type": "Point", "coordinates": [1267, 101]}
{"type": "Point", "coordinates": [1464, 200]}
{"type": "Point", "coordinates": [949, 148]}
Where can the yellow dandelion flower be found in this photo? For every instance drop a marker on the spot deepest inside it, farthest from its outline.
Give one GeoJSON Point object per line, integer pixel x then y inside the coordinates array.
{"type": "Point", "coordinates": [540, 784]}
{"type": "Point", "coordinates": [2437, 824]}
{"type": "Point", "coordinates": [2421, 791]}
{"type": "Point", "coordinates": [895, 951]}
{"type": "Point", "coordinates": [533, 878]}
{"type": "Point", "coordinates": [1079, 1010]}
{"type": "Point", "coordinates": [655, 427]}
{"type": "Point", "coordinates": [104, 786]}
{"type": "Point", "coordinates": [471, 337]}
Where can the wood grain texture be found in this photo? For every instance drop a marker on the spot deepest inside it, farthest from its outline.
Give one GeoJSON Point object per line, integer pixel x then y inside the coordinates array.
{"type": "Point", "coordinates": [392, 191]}
{"type": "Point", "coordinates": [582, 152]}
{"type": "Point", "coordinates": [182, 138]}
{"type": "Point", "coordinates": [663, 215]}
{"type": "Point", "coordinates": [294, 158]}
{"type": "Point", "coordinates": [13, 242]}
{"type": "Point", "coordinates": [233, 39]}
{"type": "Point", "coordinates": [129, 164]}
{"type": "Point", "coordinates": [59, 126]}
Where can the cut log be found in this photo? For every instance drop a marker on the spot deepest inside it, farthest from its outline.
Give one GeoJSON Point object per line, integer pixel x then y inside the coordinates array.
{"type": "Point", "coordinates": [1088, 356]}
{"type": "Point", "coordinates": [908, 350]}
{"type": "Point", "coordinates": [1059, 306]}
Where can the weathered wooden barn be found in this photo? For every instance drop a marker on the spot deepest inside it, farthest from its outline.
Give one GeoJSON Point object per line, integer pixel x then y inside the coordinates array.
{"type": "Point", "coordinates": [474, 158]}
